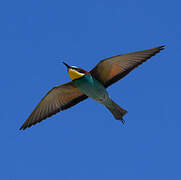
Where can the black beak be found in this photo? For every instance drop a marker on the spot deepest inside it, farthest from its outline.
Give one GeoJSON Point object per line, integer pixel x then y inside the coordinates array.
{"type": "Point", "coordinates": [66, 65]}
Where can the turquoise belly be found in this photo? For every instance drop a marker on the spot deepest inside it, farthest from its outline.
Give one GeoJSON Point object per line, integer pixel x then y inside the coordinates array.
{"type": "Point", "coordinates": [91, 87]}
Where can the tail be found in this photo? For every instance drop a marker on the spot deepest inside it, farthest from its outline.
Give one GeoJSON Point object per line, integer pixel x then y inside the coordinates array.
{"type": "Point", "coordinates": [116, 110]}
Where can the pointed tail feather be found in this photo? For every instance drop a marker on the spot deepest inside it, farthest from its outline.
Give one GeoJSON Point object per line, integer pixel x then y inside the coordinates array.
{"type": "Point", "coordinates": [116, 110]}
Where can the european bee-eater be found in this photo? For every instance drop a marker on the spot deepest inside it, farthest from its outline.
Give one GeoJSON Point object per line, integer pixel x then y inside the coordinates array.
{"type": "Point", "coordinates": [91, 84]}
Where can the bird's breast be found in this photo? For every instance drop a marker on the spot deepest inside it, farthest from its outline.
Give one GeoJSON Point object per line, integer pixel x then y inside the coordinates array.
{"type": "Point", "coordinates": [91, 87]}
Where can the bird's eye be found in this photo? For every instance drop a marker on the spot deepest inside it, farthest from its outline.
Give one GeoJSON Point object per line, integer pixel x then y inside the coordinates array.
{"type": "Point", "coordinates": [81, 71]}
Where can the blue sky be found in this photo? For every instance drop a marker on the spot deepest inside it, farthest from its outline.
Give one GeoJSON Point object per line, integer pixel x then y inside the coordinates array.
{"type": "Point", "coordinates": [85, 142]}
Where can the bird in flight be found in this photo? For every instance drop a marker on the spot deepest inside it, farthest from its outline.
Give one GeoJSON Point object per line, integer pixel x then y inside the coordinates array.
{"type": "Point", "coordinates": [91, 84]}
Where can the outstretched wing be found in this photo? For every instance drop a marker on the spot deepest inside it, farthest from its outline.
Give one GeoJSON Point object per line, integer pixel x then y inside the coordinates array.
{"type": "Point", "coordinates": [57, 99]}
{"type": "Point", "coordinates": [109, 71]}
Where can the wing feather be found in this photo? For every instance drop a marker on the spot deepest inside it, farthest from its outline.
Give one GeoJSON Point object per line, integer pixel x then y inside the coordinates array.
{"type": "Point", "coordinates": [57, 99]}
{"type": "Point", "coordinates": [110, 70]}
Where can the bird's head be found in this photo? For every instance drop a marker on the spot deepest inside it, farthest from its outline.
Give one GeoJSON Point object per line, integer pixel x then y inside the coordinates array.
{"type": "Point", "coordinates": [75, 72]}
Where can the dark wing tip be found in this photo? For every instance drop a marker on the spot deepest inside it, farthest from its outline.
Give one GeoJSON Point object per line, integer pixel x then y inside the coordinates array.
{"type": "Point", "coordinates": [22, 128]}
{"type": "Point", "coordinates": [162, 47]}
{"type": "Point", "coordinates": [27, 125]}
{"type": "Point", "coordinates": [158, 49]}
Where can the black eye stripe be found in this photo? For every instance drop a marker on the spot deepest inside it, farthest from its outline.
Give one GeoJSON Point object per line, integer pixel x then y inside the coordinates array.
{"type": "Point", "coordinates": [79, 70]}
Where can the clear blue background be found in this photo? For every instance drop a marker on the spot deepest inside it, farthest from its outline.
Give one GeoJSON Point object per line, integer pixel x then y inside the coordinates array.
{"type": "Point", "coordinates": [85, 142]}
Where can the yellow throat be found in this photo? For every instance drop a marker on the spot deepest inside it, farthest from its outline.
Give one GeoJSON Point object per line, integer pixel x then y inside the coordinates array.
{"type": "Point", "coordinates": [75, 74]}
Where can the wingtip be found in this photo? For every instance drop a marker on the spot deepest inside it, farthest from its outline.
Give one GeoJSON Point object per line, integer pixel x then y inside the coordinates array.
{"type": "Point", "coordinates": [123, 121]}
{"type": "Point", "coordinates": [162, 47]}
{"type": "Point", "coordinates": [22, 128]}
